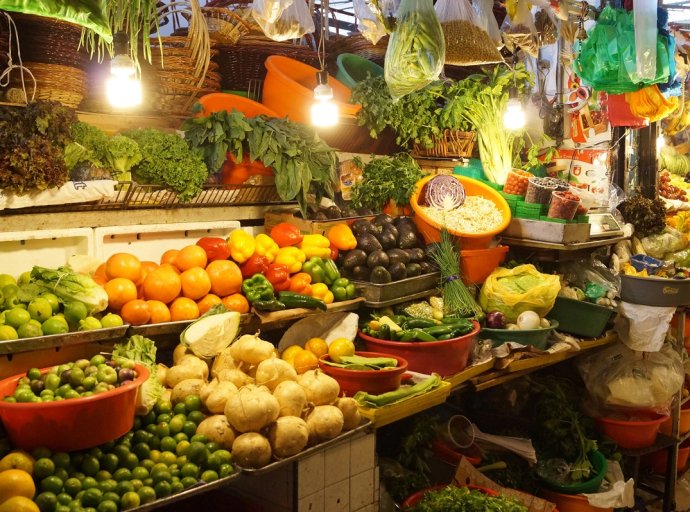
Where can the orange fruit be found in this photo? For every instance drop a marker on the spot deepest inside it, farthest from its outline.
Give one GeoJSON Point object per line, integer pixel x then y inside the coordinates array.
{"type": "Point", "coordinates": [170, 266]}
{"type": "Point", "coordinates": [236, 302]}
{"type": "Point", "coordinates": [19, 504]}
{"type": "Point", "coordinates": [195, 283]}
{"type": "Point", "coordinates": [135, 312]}
{"type": "Point", "coordinates": [190, 256]}
{"type": "Point", "coordinates": [123, 264]}
{"type": "Point", "coordinates": [305, 361]}
{"type": "Point", "coordinates": [317, 346]}
{"type": "Point", "coordinates": [183, 308]}
{"type": "Point", "coordinates": [340, 347]}
{"type": "Point", "coordinates": [162, 284]}
{"type": "Point", "coordinates": [290, 353]}
{"type": "Point", "coordinates": [16, 482]}
{"type": "Point", "coordinates": [169, 256]}
{"type": "Point", "coordinates": [207, 302]}
{"type": "Point", "coordinates": [226, 277]}
{"type": "Point", "coordinates": [120, 291]}
{"type": "Point", "coordinates": [146, 267]}
{"type": "Point", "coordinates": [159, 312]}
{"type": "Point", "coordinates": [99, 276]}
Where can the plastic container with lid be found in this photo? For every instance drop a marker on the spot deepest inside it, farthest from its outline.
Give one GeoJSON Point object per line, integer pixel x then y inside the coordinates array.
{"type": "Point", "coordinates": [564, 205]}
{"type": "Point", "coordinates": [539, 190]}
{"type": "Point", "coordinates": [516, 182]}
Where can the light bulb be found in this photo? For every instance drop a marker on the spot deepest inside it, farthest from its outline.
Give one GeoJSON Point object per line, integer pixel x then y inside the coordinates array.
{"type": "Point", "coordinates": [660, 142]}
{"type": "Point", "coordinates": [324, 113]}
{"type": "Point", "coordinates": [123, 91]}
{"type": "Point", "coordinates": [514, 117]}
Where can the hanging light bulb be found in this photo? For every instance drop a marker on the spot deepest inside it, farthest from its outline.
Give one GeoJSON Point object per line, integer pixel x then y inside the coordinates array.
{"type": "Point", "coordinates": [123, 88]}
{"type": "Point", "coordinates": [514, 118]}
{"type": "Point", "coordinates": [324, 112]}
{"type": "Point", "coordinates": [660, 142]}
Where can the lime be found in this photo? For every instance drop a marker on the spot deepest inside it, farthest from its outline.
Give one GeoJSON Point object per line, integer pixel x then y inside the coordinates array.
{"type": "Point", "coordinates": [62, 508]}
{"type": "Point", "coordinates": [97, 359]}
{"type": "Point", "coordinates": [24, 278]}
{"type": "Point", "coordinates": [137, 484]}
{"type": "Point", "coordinates": [188, 481]}
{"type": "Point", "coordinates": [163, 430]}
{"type": "Point", "coordinates": [196, 417]}
{"type": "Point", "coordinates": [88, 482]}
{"type": "Point", "coordinates": [40, 309]}
{"type": "Point", "coordinates": [16, 317]}
{"type": "Point", "coordinates": [7, 332]}
{"type": "Point", "coordinates": [64, 499]}
{"type": "Point", "coordinates": [123, 487]}
{"type": "Point", "coordinates": [140, 473]}
{"type": "Point", "coordinates": [89, 383]}
{"type": "Point", "coordinates": [24, 395]}
{"type": "Point", "coordinates": [89, 324]}
{"type": "Point", "coordinates": [141, 436]}
{"type": "Point", "coordinates": [33, 374]}
{"type": "Point", "coordinates": [176, 487]}
{"type": "Point", "coordinates": [164, 418]}
{"type": "Point", "coordinates": [46, 501]}
{"type": "Point", "coordinates": [72, 486]}
{"type": "Point", "coordinates": [109, 462]}
{"type": "Point", "coordinates": [60, 459]}
{"type": "Point", "coordinates": [147, 494]}
{"type": "Point", "coordinates": [199, 438]}
{"type": "Point", "coordinates": [52, 382]}
{"type": "Point", "coordinates": [30, 329]}
{"type": "Point", "coordinates": [122, 474]}
{"type": "Point", "coordinates": [155, 455]}
{"type": "Point", "coordinates": [168, 444]}
{"type": "Point", "coordinates": [107, 484]}
{"type": "Point", "coordinates": [91, 497]}
{"type": "Point", "coordinates": [177, 423]}
{"type": "Point", "coordinates": [180, 436]}
{"type": "Point", "coordinates": [6, 279]}
{"type": "Point", "coordinates": [71, 394]}
{"type": "Point", "coordinates": [168, 458]}
{"type": "Point", "coordinates": [43, 467]}
{"type": "Point", "coordinates": [111, 496]}
{"type": "Point", "coordinates": [225, 470]}
{"type": "Point", "coordinates": [209, 476]}
{"type": "Point", "coordinates": [52, 300]}
{"type": "Point", "coordinates": [212, 447]}
{"type": "Point", "coordinates": [130, 461]}
{"type": "Point", "coordinates": [74, 312]}
{"type": "Point", "coordinates": [55, 325]}
{"type": "Point", "coordinates": [182, 460]}
{"type": "Point", "coordinates": [111, 320]}
{"type": "Point", "coordinates": [107, 374]}
{"type": "Point", "coordinates": [51, 484]}
{"type": "Point", "coordinates": [107, 506]}
{"type": "Point", "coordinates": [192, 403]}
{"type": "Point", "coordinates": [76, 377]}
{"type": "Point", "coordinates": [223, 456]}
{"type": "Point", "coordinates": [181, 448]}
{"type": "Point", "coordinates": [163, 407]}
{"type": "Point", "coordinates": [103, 476]}
{"type": "Point", "coordinates": [189, 469]}
{"type": "Point", "coordinates": [163, 489]}
{"type": "Point", "coordinates": [141, 450]}
{"type": "Point", "coordinates": [196, 452]}
{"type": "Point", "coordinates": [147, 464]}
{"type": "Point", "coordinates": [130, 500]}
{"type": "Point", "coordinates": [180, 408]}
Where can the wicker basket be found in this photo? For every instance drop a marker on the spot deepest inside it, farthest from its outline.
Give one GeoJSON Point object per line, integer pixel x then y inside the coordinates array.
{"type": "Point", "coordinates": [4, 42]}
{"type": "Point", "coordinates": [54, 82]}
{"type": "Point", "coordinates": [451, 143]}
{"type": "Point", "coordinates": [357, 44]}
{"type": "Point", "coordinates": [224, 26]}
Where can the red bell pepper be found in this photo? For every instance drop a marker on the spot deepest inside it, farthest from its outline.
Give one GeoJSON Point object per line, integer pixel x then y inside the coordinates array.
{"type": "Point", "coordinates": [279, 276]}
{"type": "Point", "coordinates": [286, 234]}
{"type": "Point", "coordinates": [334, 252]}
{"type": "Point", "coordinates": [216, 248]}
{"type": "Point", "coordinates": [254, 265]}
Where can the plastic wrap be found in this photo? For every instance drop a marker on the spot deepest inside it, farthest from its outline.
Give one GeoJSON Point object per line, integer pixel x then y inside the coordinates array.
{"type": "Point", "coordinates": [369, 22]}
{"type": "Point", "coordinates": [643, 328]}
{"type": "Point", "coordinates": [644, 21]}
{"type": "Point", "coordinates": [294, 22]}
{"type": "Point", "coordinates": [668, 241]}
{"type": "Point", "coordinates": [487, 20]}
{"type": "Point", "coordinates": [520, 32]}
{"type": "Point", "coordinates": [268, 11]}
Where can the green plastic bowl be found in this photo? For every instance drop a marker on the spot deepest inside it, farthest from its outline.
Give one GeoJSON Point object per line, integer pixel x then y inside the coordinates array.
{"type": "Point", "coordinates": [536, 337]}
{"type": "Point", "coordinates": [590, 486]}
{"type": "Point", "coordinates": [353, 69]}
{"type": "Point", "coordinates": [580, 318]}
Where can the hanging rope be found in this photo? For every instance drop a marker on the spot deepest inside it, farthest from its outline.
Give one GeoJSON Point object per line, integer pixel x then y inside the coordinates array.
{"type": "Point", "coordinates": [5, 75]}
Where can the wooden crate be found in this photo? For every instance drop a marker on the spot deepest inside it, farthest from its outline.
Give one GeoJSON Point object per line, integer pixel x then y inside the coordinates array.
{"type": "Point", "coordinates": [273, 217]}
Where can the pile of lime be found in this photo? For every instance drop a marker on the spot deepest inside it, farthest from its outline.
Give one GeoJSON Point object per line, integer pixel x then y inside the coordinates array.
{"type": "Point", "coordinates": [45, 314]}
{"type": "Point", "coordinates": [84, 377]}
{"type": "Point", "coordinates": [161, 456]}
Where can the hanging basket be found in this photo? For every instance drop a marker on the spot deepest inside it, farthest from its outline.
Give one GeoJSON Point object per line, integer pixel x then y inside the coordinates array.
{"type": "Point", "coordinates": [224, 26]}
{"type": "Point", "coordinates": [54, 82]}
{"type": "Point", "coordinates": [451, 143]}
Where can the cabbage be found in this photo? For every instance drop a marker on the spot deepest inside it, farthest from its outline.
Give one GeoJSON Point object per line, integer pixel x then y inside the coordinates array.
{"type": "Point", "coordinates": [213, 332]}
{"type": "Point", "coordinates": [443, 193]}
{"type": "Point", "coordinates": [143, 351]}
{"type": "Point", "coordinates": [70, 287]}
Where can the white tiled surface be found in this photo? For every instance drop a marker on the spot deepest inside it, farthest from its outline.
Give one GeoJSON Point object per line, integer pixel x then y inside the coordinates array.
{"type": "Point", "coordinates": [337, 464]}
{"type": "Point", "coordinates": [311, 474]}
{"type": "Point", "coordinates": [337, 497]}
{"type": "Point", "coordinates": [362, 489]}
{"type": "Point", "coordinates": [362, 453]}
{"type": "Point", "coordinates": [312, 503]}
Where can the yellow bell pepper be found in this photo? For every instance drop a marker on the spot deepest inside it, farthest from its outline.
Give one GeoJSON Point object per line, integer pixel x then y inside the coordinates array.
{"type": "Point", "coordinates": [292, 257]}
{"type": "Point", "coordinates": [341, 236]}
{"type": "Point", "coordinates": [315, 246]}
{"type": "Point", "coordinates": [266, 247]}
{"type": "Point", "coordinates": [241, 245]}
{"type": "Point", "coordinates": [321, 291]}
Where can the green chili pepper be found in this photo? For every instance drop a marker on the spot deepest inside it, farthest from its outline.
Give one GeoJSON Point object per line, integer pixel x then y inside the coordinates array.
{"type": "Point", "coordinates": [343, 289]}
{"type": "Point", "coordinates": [416, 335]}
{"type": "Point", "coordinates": [297, 300]}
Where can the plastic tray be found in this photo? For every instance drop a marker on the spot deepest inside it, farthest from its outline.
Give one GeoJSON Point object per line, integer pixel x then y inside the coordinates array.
{"type": "Point", "coordinates": [655, 291]}
{"type": "Point", "coordinates": [580, 318]}
{"type": "Point", "coordinates": [377, 293]}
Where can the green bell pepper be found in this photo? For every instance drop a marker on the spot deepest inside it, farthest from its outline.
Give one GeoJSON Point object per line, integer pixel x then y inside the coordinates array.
{"type": "Point", "coordinates": [314, 267]}
{"type": "Point", "coordinates": [343, 289]}
{"type": "Point", "coordinates": [258, 288]}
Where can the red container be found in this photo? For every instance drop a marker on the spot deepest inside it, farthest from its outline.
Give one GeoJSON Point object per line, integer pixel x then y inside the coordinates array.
{"type": "Point", "coordinates": [571, 502]}
{"type": "Point", "coordinates": [477, 264]}
{"type": "Point", "coordinates": [563, 206]}
{"type": "Point", "coordinates": [446, 357]}
{"type": "Point", "coordinates": [371, 381]}
{"type": "Point", "coordinates": [659, 460]}
{"type": "Point", "coordinates": [217, 101]}
{"type": "Point", "coordinates": [630, 434]}
{"type": "Point", "coordinates": [413, 500]}
{"type": "Point", "coordinates": [72, 424]}
{"type": "Point", "coordinates": [452, 455]}
{"type": "Point", "coordinates": [683, 427]}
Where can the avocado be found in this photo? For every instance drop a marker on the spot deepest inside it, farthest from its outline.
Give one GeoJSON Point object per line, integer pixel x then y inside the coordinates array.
{"type": "Point", "coordinates": [390, 228]}
{"type": "Point", "coordinates": [333, 212]}
{"type": "Point", "coordinates": [377, 259]}
{"type": "Point", "coordinates": [383, 219]}
{"type": "Point", "coordinates": [361, 273]}
{"type": "Point", "coordinates": [348, 211]}
{"type": "Point", "coordinates": [397, 271]}
{"type": "Point", "coordinates": [354, 258]}
{"type": "Point", "coordinates": [407, 239]}
{"type": "Point", "coordinates": [387, 239]}
{"type": "Point", "coordinates": [398, 255]}
{"type": "Point", "coordinates": [364, 211]}
{"type": "Point", "coordinates": [413, 269]}
{"type": "Point", "coordinates": [416, 254]}
{"type": "Point", "coordinates": [368, 243]}
{"type": "Point", "coordinates": [361, 226]}
{"type": "Point", "coordinates": [380, 275]}
{"type": "Point", "coordinates": [427, 267]}
{"type": "Point", "coordinates": [400, 221]}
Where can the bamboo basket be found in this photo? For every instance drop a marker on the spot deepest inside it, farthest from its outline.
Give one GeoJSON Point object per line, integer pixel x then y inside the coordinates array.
{"type": "Point", "coordinates": [224, 26]}
{"type": "Point", "coordinates": [358, 45]}
{"type": "Point", "coordinates": [64, 84]}
{"type": "Point", "coordinates": [451, 143]}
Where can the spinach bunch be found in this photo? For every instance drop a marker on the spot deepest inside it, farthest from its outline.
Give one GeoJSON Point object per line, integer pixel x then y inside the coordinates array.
{"type": "Point", "coordinates": [463, 499]}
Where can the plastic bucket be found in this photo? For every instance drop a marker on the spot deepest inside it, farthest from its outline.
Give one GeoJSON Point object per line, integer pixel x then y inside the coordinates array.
{"type": "Point", "coordinates": [289, 90]}
{"type": "Point", "coordinates": [538, 338]}
{"type": "Point", "coordinates": [477, 264]}
{"type": "Point", "coordinates": [589, 486]}
{"type": "Point", "coordinates": [658, 460]}
{"type": "Point", "coordinates": [631, 434]}
{"type": "Point", "coordinates": [684, 424]}
{"type": "Point", "coordinates": [571, 502]}
{"type": "Point", "coordinates": [446, 357]}
{"type": "Point", "coordinates": [217, 101]}
{"type": "Point", "coordinates": [371, 381]}
{"type": "Point", "coordinates": [73, 424]}
{"type": "Point", "coordinates": [353, 69]}
{"type": "Point", "coordinates": [580, 318]}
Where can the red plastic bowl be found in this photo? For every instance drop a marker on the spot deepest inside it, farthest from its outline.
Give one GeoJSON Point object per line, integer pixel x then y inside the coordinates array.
{"type": "Point", "coordinates": [631, 434]}
{"type": "Point", "coordinates": [659, 460]}
{"type": "Point", "coordinates": [414, 499]}
{"type": "Point", "coordinates": [452, 455]}
{"type": "Point", "coordinates": [371, 381]}
{"type": "Point", "coordinates": [72, 424]}
{"type": "Point", "coordinates": [446, 357]}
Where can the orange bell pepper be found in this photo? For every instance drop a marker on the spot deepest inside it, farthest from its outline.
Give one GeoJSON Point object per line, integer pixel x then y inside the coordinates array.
{"type": "Point", "coordinates": [341, 236]}
{"type": "Point", "coordinates": [301, 283]}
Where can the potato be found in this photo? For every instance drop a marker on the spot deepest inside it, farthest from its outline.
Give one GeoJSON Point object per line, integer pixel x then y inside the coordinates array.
{"type": "Point", "coordinates": [215, 402]}
{"type": "Point", "coordinates": [180, 351]}
{"type": "Point", "coordinates": [186, 388]}
{"type": "Point", "coordinates": [218, 430]}
{"type": "Point", "coordinates": [177, 374]}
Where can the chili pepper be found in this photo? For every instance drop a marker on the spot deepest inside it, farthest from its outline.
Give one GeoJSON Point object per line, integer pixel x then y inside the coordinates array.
{"type": "Point", "coordinates": [292, 257]}
{"type": "Point", "coordinates": [343, 289]}
{"type": "Point", "coordinates": [265, 246]}
{"type": "Point", "coordinates": [315, 246]}
{"type": "Point", "coordinates": [254, 265]}
{"type": "Point", "coordinates": [301, 283]}
{"type": "Point", "coordinates": [384, 332]}
{"type": "Point", "coordinates": [416, 335]}
{"type": "Point", "coordinates": [315, 268]}
{"type": "Point", "coordinates": [241, 245]}
{"type": "Point", "coordinates": [321, 291]}
{"type": "Point", "coordinates": [412, 323]}
{"type": "Point", "coordinates": [268, 305]}
{"type": "Point", "coordinates": [334, 253]}
{"type": "Point", "coordinates": [341, 236]}
{"type": "Point", "coordinates": [298, 300]}
{"type": "Point", "coordinates": [258, 288]}
{"type": "Point", "coordinates": [279, 276]}
{"type": "Point", "coordinates": [216, 248]}
{"type": "Point", "coordinates": [286, 234]}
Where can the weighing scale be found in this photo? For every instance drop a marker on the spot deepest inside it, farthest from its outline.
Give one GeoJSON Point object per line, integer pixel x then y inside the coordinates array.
{"type": "Point", "coordinates": [603, 225]}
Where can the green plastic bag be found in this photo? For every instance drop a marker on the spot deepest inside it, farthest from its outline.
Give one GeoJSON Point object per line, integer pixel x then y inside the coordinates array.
{"type": "Point", "coordinates": [607, 60]}
{"type": "Point", "coordinates": [86, 13]}
{"type": "Point", "coordinates": [514, 290]}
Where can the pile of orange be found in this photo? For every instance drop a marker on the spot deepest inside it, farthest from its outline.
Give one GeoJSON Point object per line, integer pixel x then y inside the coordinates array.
{"type": "Point", "coordinates": [183, 286]}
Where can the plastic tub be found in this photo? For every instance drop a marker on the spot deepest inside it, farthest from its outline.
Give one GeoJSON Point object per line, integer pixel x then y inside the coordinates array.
{"type": "Point", "coordinates": [430, 230]}
{"type": "Point", "coordinates": [353, 69]}
{"type": "Point", "coordinates": [218, 101]}
{"type": "Point", "coordinates": [684, 424]}
{"type": "Point", "coordinates": [580, 318]}
{"type": "Point", "coordinates": [516, 182]}
{"type": "Point", "coordinates": [73, 424]}
{"type": "Point", "coordinates": [658, 460]}
{"type": "Point", "coordinates": [477, 264]}
{"type": "Point", "coordinates": [289, 90]}
{"type": "Point", "coordinates": [631, 434]}
{"type": "Point", "coordinates": [452, 455]}
{"type": "Point", "coordinates": [538, 338]}
{"type": "Point", "coordinates": [446, 357]}
{"type": "Point", "coordinates": [655, 291]}
{"type": "Point", "coordinates": [539, 190]}
{"type": "Point", "coordinates": [590, 486]}
{"type": "Point", "coordinates": [562, 206]}
{"type": "Point", "coordinates": [371, 381]}
{"type": "Point", "coordinates": [571, 502]}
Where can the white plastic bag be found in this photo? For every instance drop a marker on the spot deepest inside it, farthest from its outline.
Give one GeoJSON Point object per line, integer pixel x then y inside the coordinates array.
{"type": "Point", "coordinates": [371, 19]}
{"type": "Point", "coordinates": [487, 20]}
{"type": "Point", "coordinates": [294, 22]}
{"type": "Point", "coordinates": [644, 19]}
{"type": "Point", "coordinates": [467, 43]}
{"type": "Point", "coordinates": [643, 327]}
{"type": "Point", "coordinates": [268, 11]}
{"type": "Point", "coordinates": [519, 31]}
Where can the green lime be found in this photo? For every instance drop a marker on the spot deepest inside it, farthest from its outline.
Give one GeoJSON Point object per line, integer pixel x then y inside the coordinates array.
{"type": "Point", "coordinates": [89, 382]}
{"type": "Point", "coordinates": [111, 320]}
{"type": "Point", "coordinates": [209, 476]}
{"type": "Point", "coordinates": [76, 377]}
{"type": "Point", "coordinates": [111, 496]}
{"type": "Point", "coordinates": [140, 473]}
{"type": "Point", "coordinates": [147, 464]}
{"type": "Point", "coordinates": [177, 423]}
{"type": "Point", "coordinates": [168, 458]}
{"type": "Point", "coordinates": [225, 470]}
{"type": "Point", "coordinates": [51, 484]}
{"type": "Point", "coordinates": [199, 438]}
{"type": "Point", "coordinates": [130, 461]}
{"type": "Point", "coordinates": [33, 374]}
{"type": "Point", "coordinates": [106, 374]}
{"type": "Point", "coordinates": [141, 450]}
{"type": "Point", "coordinates": [188, 481]}
{"type": "Point", "coordinates": [124, 486]}
{"type": "Point", "coordinates": [141, 436]}
{"type": "Point", "coordinates": [223, 456]}
{"type": "Point", "coordinates": [72, 486]}
{"type": "Point", "coordinates": [74, 312]}
{"type": "Point", "coordinates": [47, 394]}
{"type": "Point", "coordinates": [192, 403]}
{"type": "Point", "coordinates": [212, 463]}
{"type": "Point", "coordinates": [43, 467]}
{"type": "Point", "coordinates": [30, 329]}
{"type": "Point", "coordinates": [97, 359]}
{"type": "Point", "coordinates": [88, 482]}
{"type": "Point", "coordinates": [164, 418]}
{"type": "Point", "coordinates": [64, 499]}
{"type": "Point", "coordinates": [163, 489]}
{"type": "Point", "coordinates": [52, 300]}
{"type": "Point", "coordinates": [196, 417]}
{"type": "Point", "coordinates": [52, 382]}
{"type": "Point", "coordinates": [92, 497]}
{"type": "Point", "coordinates": [121, 450]}
{"type": "Point", "coordinates": [182, 460]}
{"type": "Point", "coordinates": [89, 324]}
{"type": "Point", "coordinates": [63, 508]}
{"type": "Point", "coordinates": [137, 484]}
{"type": "Point", "coordinates": [40, 309]}
{"type": "Point", "coordinates": [148, 418]}
{"type": "Point", "coordinates": [46, 501]}
{"type": "Point", "coordinates": [163, 430]}
{"type": "Point", "coordinates": [180, 408]}
{"type": "Point", "coordinates": [122, 474]}
{"type": "Point", "coordinates": [176, 487]}
{"type": "Point", "coordinates": [6, 279]}
{"type": "Point", "coordinates": [107, 484]}
{"type": "Point", "coordinates": [55, 325]}
{"type": "Point", "coordinates": [196, 452]}
{"type": "Point", "coordinates": [60, 459]}
{"type": "Point", "coordinates": [130, 500]}
{"type": "Point", "coordinates": [189, 469]}
{"type": "Point", "coordinates": [71, 393]}
{"type": "Point", "coordinates": [16, 317]}
{"type": "Point", "coordinates": [212, 447]}
{"type": "Point", "coordinates": [107, 506]}
{"type": "Point", "coordinates": [24, 278]}
{"type": "Point", "coordinates": [146, 494]}
{"type": "Point", "coordinates": [163, 406]}
{"type": "Point", "coordinates": [109, 462]}
{"type": "Point", "coordinates": [180, 436]}
{"type": "Point", "coordinates": [102, 476]}
{"type": "Point", "coordinates": [7, 332]}
{"type": "Point", "coordinates": [168, 444]}
{"type": "Point", "coordinates": [24, 395]}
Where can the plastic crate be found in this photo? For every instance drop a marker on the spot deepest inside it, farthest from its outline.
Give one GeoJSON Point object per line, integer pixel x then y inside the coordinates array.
{"type": "Point", "coordinates": [580, 318]}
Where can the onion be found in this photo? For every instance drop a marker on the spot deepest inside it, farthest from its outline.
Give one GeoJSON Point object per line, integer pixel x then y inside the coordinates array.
{"type": "Point", "coordinates": [291, 397]}
{"type": "Point", "coordinates": [288, 436]}
{"type": "Point", "coordinates": [528, 320]}
{"type": "Point", "coordinates": [495, 320]}
{"type": "Point", "coordinates": [321, 389]}
{"type": "Point", "coordinates": [443, 192]}
{"type": "Point", "coordinates": [251, 450]}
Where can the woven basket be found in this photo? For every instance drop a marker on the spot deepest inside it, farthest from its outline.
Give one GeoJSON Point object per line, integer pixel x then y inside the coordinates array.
{"type": "Point", "coordinates": [224, 26]}
{"type": "Point", "coordinates": [4, 42]}
{"type": "Point", "coordinates": [451, 143]}
{"type": "Point", "coordinates": [54, 82]}
{"type": "Point", "coordinates": [357, 44]}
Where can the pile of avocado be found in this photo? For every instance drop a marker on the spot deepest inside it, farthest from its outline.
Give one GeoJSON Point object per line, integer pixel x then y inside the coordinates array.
{"type": "Point", "coordinates": [388, 249]}
{"type": "Point", "coordinates": [336, 212]}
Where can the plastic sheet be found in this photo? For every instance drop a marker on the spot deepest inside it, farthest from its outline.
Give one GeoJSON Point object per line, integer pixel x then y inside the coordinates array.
{"type": "Point", "coordinates": [368, 22]}
{"type": "Point", "coordinates": [294, 22]}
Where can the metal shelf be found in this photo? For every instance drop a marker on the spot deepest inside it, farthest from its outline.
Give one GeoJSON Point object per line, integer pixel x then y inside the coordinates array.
{"type": "Point", "coordinates": [536, 244]}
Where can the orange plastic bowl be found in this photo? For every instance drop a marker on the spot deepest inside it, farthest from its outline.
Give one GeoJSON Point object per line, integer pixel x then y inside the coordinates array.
{"type": "Point", "coordinates": [659, 460]}
{"type": "Point", "coordinates": [630, 434]}
{"type": "Point", "coordinates": [571, 502]}
{"type": "Point", "coordinates": [289, 89]}
{"type": "Point", "coordinates": [371, 381]}
{"type": "Point", "coordinates": [414, 499]}
{"type": "Point", "coordinates": [72, 424]}
{"type": "Point", "coordinates": [683, 427]}
{"type": "Point", "coordinates": [477, 264]}
{"type": "Point", "coordinates": [218, 101]}
{"type": "Point", "coordinates": [431, 231]}
{"type": "Point", "coordinates": [446, 357]}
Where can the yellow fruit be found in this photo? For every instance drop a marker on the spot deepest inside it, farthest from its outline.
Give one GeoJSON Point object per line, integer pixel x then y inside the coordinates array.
{"type": "Point", "coordinates": [317, 346]}
{"type": "Point", "coordinates": [19, 504]}
{"type": "Point", "coordinates": [340, 347]}
{"type": "Point", "coordinates": [15, 482]}
{"type": "Point", "coordinates": [290, 353]}
{"type": "Point", "coordinates": [17, 460]}
{"type": "Point", "coordinates": [305, 361]}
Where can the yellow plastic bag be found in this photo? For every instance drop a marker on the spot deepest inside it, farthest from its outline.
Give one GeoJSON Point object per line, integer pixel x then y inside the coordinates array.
{"type": "Point", "coordinates": [514, 290]}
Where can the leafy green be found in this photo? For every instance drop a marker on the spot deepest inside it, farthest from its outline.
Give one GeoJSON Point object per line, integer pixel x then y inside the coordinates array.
{"type": "Point", "coordinates": [142, 350]}
{"type": "Point", "coordinates": [463, 499]}
{"type": "Point", "coordinates": [70, 286]}
{"type": "Point", "coordinates": [168, 162]}
{"type": "Point", "coordinates": [91, 138]}
{"type": "Point", "coordinates": [384, 178]}
{"type": "Point", "coordinates": [121, 154]}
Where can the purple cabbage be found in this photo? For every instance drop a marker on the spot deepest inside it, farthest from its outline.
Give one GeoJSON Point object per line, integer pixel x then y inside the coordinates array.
{"type": "Point", "coordinates": [444, 192]}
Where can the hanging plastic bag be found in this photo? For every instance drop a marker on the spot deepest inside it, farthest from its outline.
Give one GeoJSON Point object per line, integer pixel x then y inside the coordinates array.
{"type": "Point", "coordinates": [467, 43]}
{"type": "Point", "coordinates": [520, 32]}
{"type": "Point", "coordinates": [294, 22]}
{"type": "Point", "coordinates": [514, 290]}
{"type": "Point", "coordinates": [669, 240]}
{"type": "Point", "coordinates": [486, 20]}
{"type": "Point", "coordinates": [650, 103]}
{"type": "Point", "coordinates": [369, 23]}
{"type": "Point", "coordinates": [416, 50]}
{"type": "Point", "coordinates": [268, 11]}
{"type": "Point", "coordinates": [547, 33]}
{"type": "Point", "coordinates": [644, 21]}
{"type": "Point", "coordinates": [643, 327]}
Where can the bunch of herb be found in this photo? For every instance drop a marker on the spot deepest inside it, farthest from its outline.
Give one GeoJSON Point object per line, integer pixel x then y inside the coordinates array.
{"type": "Point", "coordinates": [647, 215]}
{"type": "Point", "coordinates": [385, 178]}
{"type": "Point", "coordinates": [463, 499]}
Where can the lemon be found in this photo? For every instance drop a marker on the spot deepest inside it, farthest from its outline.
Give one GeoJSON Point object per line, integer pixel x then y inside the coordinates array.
{"type": "Point", "coordinates": [340, 347]}
{"type": "Point", "coordinates": [317, 346]}
{"type": "Point", "coordinates": [111, 320]}
{"type": "Point", "coordinates": [7, 332]}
